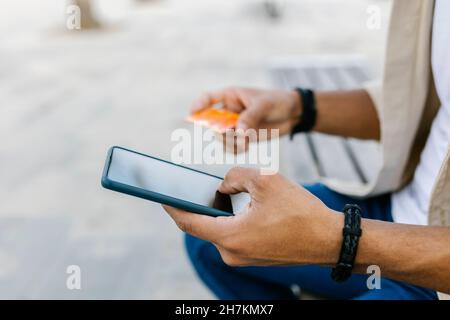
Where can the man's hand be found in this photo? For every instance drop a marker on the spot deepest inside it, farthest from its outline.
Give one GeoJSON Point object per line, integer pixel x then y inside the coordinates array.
{"type": "Point", "coordinates": [283, 224]}
{"type": "Point", "coordinates": [258, 109]}
{"type": "Point", "coordinates": [347, 113]}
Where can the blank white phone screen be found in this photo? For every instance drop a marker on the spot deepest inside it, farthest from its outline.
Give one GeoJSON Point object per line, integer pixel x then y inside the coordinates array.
{"type": "Point", "coordinates": [158, 176]}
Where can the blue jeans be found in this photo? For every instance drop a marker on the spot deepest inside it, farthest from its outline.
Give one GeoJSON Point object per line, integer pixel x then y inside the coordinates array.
{"type": "Point", "coordinates": [275, 282]}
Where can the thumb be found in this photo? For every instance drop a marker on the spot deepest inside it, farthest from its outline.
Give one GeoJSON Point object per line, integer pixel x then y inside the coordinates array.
{"type": "Point", "coordinates": [238, 180]}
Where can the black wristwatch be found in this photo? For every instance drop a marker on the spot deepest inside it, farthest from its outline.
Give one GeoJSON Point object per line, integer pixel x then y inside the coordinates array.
{"type": "Point", "coordinates": [351, 234]}
{"type": "Point", "coordinates": [309, 112]}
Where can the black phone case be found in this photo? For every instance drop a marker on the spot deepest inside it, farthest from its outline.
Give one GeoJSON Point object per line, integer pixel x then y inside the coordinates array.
{"type": "Point", "coordinates": [154, 196]}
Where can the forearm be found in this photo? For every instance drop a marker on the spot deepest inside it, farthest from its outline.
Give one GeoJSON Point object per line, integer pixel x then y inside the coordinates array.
{"type": "Point", "coordinates": [347, 113]}
{"type": "Point", "coordinates": [416, 254]}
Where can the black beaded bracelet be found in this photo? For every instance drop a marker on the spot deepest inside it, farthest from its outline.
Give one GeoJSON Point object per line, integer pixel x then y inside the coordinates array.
{"type": "Point", "coordinates": [309, 112]}
{"type": "Point", "coordinates": [351, 233]}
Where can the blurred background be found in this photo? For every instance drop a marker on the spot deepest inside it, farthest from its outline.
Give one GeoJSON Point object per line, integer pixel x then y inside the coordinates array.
{"type": "Point", "coordinates": [127, 78]}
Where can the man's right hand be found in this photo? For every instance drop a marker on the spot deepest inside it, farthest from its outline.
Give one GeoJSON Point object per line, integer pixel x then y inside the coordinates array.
{"type": "Point", "coordinates": [258, 108]}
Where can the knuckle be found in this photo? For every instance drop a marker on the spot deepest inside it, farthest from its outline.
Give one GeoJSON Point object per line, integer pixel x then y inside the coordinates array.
{"type": "Point", "coordinates": [262, 181]}
{"type": "Point", "coordinates": [230, 259]}
{"type": "Point", "coordinates": [181, 226]}
{"type": "Point", "coordinates": [236, 245]}
{"type": "Point", "coordinates": [232, 173]}
{"type": "Point", "coordinates": [227, 176]}
{"type": "Point", "coordinates": [184, 226]}
{"type": "Point", "coordinates": [232, 244]}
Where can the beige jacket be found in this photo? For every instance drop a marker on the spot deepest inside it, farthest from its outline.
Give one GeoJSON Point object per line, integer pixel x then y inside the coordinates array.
{"type": "Point", "coordinates": [406, 102]}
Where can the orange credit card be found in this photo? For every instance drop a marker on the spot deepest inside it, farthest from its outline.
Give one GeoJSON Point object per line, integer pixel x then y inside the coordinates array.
{"type": "Point", "coordinates": [217, 119]}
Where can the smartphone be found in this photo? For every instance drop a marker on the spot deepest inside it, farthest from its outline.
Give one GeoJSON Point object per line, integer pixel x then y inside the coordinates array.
{"type": "Point", "coordinates": [161, 181]}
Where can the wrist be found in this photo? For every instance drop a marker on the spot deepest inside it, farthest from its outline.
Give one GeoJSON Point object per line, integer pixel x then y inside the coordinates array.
{"type": "Point", "coordinates": [307, 121]}
{"type": "Point", "coordinates": [328, 238]}
{"type": "Point", "coordinates": [296, 107]}
{"type": "Point", "coordinates": [350, 240]}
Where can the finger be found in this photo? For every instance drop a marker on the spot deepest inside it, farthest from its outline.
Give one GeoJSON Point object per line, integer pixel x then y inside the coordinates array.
{"type": "Point", "coordinates": [239, 179]}
{"type": "Point", "coordinates": [233, 142]}
{"type": "Point", "coordinates": [232, 102]}
{"type": "Point", "coordinates": [234, 259]}
{"type": "Point", "coordinates": [208, 99]}
{"type": "Point", "coordinates": [283, 126]}
{"type": "Point", "coordinates": [238, 141]}
{"type": "Point", "coordinates": [268, 130]}
{"type": "Point", "coordinates": [201, 226]}
{"type": "Point", "coordinates": [251, 117]}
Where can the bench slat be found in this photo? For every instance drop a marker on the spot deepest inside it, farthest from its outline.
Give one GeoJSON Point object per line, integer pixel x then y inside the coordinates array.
{"type": "Point", "coordinates": [348, 159]}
